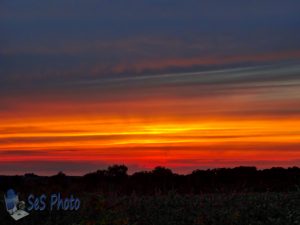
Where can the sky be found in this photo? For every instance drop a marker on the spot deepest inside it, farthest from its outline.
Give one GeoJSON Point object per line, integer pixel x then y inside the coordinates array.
{"type": "Point", "coordinates": [182, 84]}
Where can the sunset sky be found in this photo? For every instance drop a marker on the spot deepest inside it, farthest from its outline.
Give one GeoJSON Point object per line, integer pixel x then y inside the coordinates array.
{"type": "Point", "coordinates": [182, 84]}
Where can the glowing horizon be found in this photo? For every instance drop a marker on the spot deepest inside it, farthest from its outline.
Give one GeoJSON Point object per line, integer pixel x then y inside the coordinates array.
{"type": "Point", "coordinates": [183, 134]}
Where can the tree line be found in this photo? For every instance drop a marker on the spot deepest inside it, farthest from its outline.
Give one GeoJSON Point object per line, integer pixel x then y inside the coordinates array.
{"type": "Point", "coordinates": [115, 180]}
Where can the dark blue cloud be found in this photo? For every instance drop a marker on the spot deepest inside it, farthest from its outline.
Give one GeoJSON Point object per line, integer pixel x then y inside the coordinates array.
{"type": "Point", "coordinates": [71, 39]}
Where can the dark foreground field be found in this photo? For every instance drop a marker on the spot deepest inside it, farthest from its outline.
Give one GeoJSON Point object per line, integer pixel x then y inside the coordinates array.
{"type": "Point", "coordinates": [240, 196]}
{"type": "Point", "coordinates": [173, 209]}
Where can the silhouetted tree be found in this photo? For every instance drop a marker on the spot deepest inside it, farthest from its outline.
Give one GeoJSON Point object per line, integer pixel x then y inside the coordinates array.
{"type": "Point", "coordinates": [162, 171]}
{"type": "Point", "coordinates": [118, 171]}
